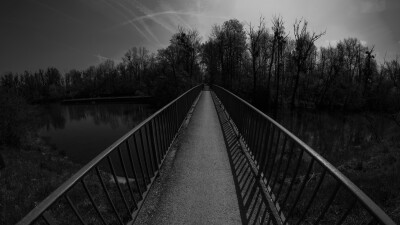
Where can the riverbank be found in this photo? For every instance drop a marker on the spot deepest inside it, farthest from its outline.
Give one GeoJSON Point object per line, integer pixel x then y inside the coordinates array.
{"type": "Point", "coordinates": [30, 175]}
{"type": "Point", "coordinates": [376, 171]}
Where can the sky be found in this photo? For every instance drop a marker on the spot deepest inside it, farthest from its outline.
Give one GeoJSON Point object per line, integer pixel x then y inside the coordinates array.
{"type": "Point", "coordinates": [69, 34]}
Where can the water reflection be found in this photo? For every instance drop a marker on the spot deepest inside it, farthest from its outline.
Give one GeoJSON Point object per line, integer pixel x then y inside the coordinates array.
{"type": "Point", "coordinates": [83, 131]}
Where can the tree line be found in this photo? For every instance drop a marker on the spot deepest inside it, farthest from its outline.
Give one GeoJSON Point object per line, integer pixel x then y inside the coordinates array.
{"type": "Point", "coordinates": [167, 72]}
{"type": "Point", "coordinates": [274, 69]}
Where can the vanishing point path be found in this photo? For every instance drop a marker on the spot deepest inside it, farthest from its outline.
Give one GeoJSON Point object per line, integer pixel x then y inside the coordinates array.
{"type": "Point", "coordinates": [198, 187]}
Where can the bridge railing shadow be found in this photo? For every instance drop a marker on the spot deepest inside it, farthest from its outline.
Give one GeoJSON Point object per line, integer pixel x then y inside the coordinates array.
{"type": "Point", "coordinates": [281, 180]}
{"type": "Point", "coordinates": [111, 188]}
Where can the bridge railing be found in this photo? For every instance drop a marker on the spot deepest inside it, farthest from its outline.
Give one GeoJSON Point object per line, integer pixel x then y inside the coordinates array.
{"type": "Point", "coordinates": [111, 188]}
{"type": "Point", "coordinates": [301, 185]}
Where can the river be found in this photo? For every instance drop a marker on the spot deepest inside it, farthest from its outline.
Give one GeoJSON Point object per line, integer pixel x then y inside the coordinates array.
{"type": "Point", "coordinates": [82, 131]}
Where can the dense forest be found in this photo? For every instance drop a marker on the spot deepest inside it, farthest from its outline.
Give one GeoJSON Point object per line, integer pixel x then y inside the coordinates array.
{"type": "Point", "coordinates": [272, 67]}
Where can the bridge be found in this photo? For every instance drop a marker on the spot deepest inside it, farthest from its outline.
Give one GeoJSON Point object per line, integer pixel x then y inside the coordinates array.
{"type": "Point", "coordinates": [208, 157]}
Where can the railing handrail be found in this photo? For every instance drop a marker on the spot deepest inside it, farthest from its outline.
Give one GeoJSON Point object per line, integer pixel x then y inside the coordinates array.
{"type": "Point", "coordinates": [49, 200]}
{"type": "Point", "coordinates": [358, 193]}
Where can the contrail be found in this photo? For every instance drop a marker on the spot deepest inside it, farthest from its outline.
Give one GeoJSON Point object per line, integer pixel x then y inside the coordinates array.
{"type": "Point", "coordinates": [167, 7]}
{"type": "Point", "coordinates": [142, 23]}
{"type": "Point", "coordinates": [133, 24]}
{"type": "Point", "coordinates": [150, 15]}
{"type": "Point", "coordinates": [102, 58]}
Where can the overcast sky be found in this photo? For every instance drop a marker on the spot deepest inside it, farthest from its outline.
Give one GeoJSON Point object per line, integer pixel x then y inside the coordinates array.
{"type": "Point", "coordinates": [78, 33]}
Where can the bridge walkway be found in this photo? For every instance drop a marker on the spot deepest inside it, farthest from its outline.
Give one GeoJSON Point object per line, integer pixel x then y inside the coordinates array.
{"type": "Point", "coordinates": [198, 186]}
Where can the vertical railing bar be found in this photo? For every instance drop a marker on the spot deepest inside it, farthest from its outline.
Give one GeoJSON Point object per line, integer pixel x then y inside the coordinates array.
{"type": "Point", "coordinates": [142, 144]}
{"type": "Point", "coordinates": [300, 191]}
{"type": "Point", "coordinates": [117, 183]}
{"type": "Point", "coordinates": [264, 150]}
{"type": "Point", "coordinates": [288, 192]}
{"type": "Point", "coordinates": [280, 162]}
{"type": "Point", "coordinates": [133, 167]}
{"type": "Point", "coordinates": [249, 123]}
{"type": "Point", "coordinates": [263, 135]}
{"type": "Point", "coordinates": [171, 125]}
{"type": "Point", "coordinates": [251, 131]}
{"type": "Point", "coordinates": [273, 156]}
{"type": "Point", "coordinates": [153, 146]}
{"type": "Point", "coordinates": [331, 198]}
{"type": "Point", "coordinates": [285, 173]}
{"type": "Point", "coordinates": [92, 201]}
{"type": "Point", "coordinates": [312, 196]}
{"type": "Point", "coordinates": [268, 151]}
{"type": "Point", "coordinates": [163, 133]}
{"type": "Point", "coordinates": [346, 213]}
{"type": "Point", "coordinates": [153, 136]}
{"type": "Point", "coordinates": [258, 138]}
{"type": "Point", "coordinates": [176, 117]}
{"type": "Point", "coordinates": [139, 161]}
{"type": "Point", "coordinates": [159, 137]}
{"type": "Point", "coordinates": [108, 195]}
{"type": "Point", "coordinates": [149, 151]}
{"type": "Point", "coordinates": [74, 209]}
{"type": "Point", "coordinates": [126, 175]}
{"type": "Point", "coordinates": [255, 136]}
{"type": "Point", "coordinates": [168, 123]}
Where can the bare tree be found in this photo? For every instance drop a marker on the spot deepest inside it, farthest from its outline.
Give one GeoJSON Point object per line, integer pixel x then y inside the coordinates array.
{"type": "Point", "coordinates": [304, 44]}
{"type": "Point", "coordinates": [255, 39]}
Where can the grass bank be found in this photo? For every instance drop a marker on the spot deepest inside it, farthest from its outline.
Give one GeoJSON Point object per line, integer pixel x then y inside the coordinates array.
{"type": "Point", "coordinates": [30, 175]}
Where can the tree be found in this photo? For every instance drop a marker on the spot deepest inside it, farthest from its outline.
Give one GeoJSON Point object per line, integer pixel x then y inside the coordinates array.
{"type": "Point", "coordinates": [255, 48]}
{"type": "Point", "coordinates": [304, 44]}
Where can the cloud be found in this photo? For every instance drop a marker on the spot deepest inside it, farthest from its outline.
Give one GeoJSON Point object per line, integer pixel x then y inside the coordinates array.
{"type": "Point", "coordinates": [331, 43]}
{"type": "Point", "coordinates": [363, 43]}
{"type": "Point", "coordinates": [101, 58]}
{"type": "Point", "coordinates": [144, 33]}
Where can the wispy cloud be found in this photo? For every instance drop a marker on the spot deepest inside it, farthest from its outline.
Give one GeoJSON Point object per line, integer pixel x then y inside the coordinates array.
{"type": "Point", "coordinates": [144, 33]}
{"type": "Point", "coordinates": [149, 14]}
{"type": "Point", "coordinates": [144, 25]}
{"type": "Point", "coordinates": [153, 15]}
{"type": "Point", "coordinates": [101, 58]}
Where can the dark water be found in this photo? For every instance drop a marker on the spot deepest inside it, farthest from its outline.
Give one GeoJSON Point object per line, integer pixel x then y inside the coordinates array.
{"type": "Point", "coordinates": [338, 136]}
{"type": "Point", "coordinates": [82, 131]}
